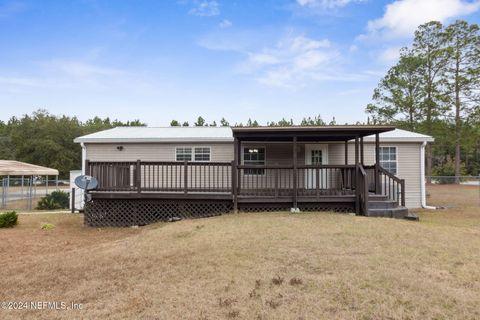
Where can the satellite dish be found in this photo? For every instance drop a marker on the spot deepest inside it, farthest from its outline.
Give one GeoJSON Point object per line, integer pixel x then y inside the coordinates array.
{"type": "Point", "coordinates": [86, 182]}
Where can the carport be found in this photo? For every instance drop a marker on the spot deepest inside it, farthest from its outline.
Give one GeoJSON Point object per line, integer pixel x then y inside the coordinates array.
{"type": "Point", "coordinates": [24, 177]}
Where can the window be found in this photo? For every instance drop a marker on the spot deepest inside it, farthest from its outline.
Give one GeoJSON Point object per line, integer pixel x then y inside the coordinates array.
{"type": "Point", "coordinates": [192, 154]}
{"type": "Point", "coordinates": [254, 156]}
{"type": "Point", "coordinates": [388, 159]}
{"type": "Point", "coordinates": [184, 154]}
{"type": "Point", "coordinates": [202, 154]}
{"type": "Point", "coordinates": [316, 157]}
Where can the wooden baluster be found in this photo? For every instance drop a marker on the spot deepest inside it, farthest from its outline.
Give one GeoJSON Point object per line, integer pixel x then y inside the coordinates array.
{"type": "Point", "coordinates": [139, 177]}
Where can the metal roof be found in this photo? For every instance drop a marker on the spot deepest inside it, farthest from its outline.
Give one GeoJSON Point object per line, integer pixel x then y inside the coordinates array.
{"type": "Point", "coordinates": [399, 135]}
{"type": "Point", "coordinates": [159, 134]}
{"type": "Point", "coordinates": [17, 168]}
{"type": "Point", "coordinates": [225, 134]}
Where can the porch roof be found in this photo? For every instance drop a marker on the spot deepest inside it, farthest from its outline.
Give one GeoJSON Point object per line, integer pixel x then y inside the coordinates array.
{"type": "Point", "coordinates": [313, 133]}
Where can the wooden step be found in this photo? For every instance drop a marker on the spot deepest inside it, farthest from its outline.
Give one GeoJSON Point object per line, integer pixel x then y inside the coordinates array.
{"type": "Point", "coordinates": [377, 197]}
{"type": "Point", "coordinates": [382, 204]}
{"type": "Point", "coordinates": [398, 212]}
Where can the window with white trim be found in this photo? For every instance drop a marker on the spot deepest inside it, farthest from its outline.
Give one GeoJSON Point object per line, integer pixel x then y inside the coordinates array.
{"type": "Point", "coordinates": [183, 154]}
{"type": "Point", "coordinates": [254, 156]}
{"type": "Point", "coordinates": [388, 159]}
{"type": "Point", "coordinates": [192, 154]}
{"type": "Point", "coordinates": [202, 154]}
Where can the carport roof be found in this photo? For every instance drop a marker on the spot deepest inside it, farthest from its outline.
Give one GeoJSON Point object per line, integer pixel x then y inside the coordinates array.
{"type": "Point", "coordinates": [17, 168]}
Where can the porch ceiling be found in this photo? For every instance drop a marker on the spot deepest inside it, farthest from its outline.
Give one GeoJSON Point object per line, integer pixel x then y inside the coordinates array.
{"type": "Point", "coordinates": [321, 133]}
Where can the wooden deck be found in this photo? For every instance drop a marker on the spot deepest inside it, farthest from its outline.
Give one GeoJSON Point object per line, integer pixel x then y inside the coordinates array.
{"type": "Point", "coordinates": [144, 191]}
{"type": "Point", "coordinates": [222, 181]}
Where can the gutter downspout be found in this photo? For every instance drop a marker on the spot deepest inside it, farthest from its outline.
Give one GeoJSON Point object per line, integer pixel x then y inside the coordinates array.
{"type": "Point", "coordinates": [423, 194]}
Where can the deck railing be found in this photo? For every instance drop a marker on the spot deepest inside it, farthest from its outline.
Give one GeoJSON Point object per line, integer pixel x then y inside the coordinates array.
{"type": "Point", "coordinates": [162, 176]}
{"type": "Point", "coordinates": [275, 181]}
{"type": "Point", "coordinates": [280, 181]}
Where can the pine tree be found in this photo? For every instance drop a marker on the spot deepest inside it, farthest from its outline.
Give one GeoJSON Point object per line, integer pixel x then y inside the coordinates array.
{"type": "Point", "coordinates": [463, 77]}
{"type": "Point", "coordinates": [224, 123]}
{"type": "Point", "coordinates": [200, 122]}
{"type": "Point", "coordinates": [399, 95]}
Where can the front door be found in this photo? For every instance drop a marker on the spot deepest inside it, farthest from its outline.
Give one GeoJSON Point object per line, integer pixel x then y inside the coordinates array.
{"type": "Point", "coordinates": [316, 154]}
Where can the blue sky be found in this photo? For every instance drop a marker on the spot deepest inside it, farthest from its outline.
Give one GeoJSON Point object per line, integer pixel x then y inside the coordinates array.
{"type": "Point", "coordinates": [163, 60]}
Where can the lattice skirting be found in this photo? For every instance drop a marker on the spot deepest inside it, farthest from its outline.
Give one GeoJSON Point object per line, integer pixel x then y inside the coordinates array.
{"type": "Point", "coordinates": [305, 207]}
{"type": "Point", "coordinates": [264, 207]}
{"type": "Point", "coordinates": [124, 213]}
{"type": "Point", "coordinates": [130, 212]}
{"type": "Point", "coordinates": [335, 207]}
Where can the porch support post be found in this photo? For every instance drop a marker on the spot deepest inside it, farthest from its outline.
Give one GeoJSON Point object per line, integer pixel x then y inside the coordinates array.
{"type": "Point", "coordinates": [378, 187]}
{"type": "Point", "coordinates": [357, 189]}
{"type": "Point", "coordinates": [357, 153]}
{"type": "Point", "coordinates": [345, 171]}
{"type": "Point", "coordinates": [362, 155]}
{"type": "Point", "coordinates": [87, 168]}
{"type": "Point", "coordinates": [346, 152]}
{"type": "Point", "coordinates": [235, 174]}
{"type": "Point", "coordinates": [295, 201]}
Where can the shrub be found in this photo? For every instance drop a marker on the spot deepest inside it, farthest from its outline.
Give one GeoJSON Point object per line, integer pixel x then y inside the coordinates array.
{"type": "Point", "coordinates": [54, 200]}
{"type": "Point", "coordinates": [8, 219]}
{"type": "Point", "coordinates": [47, 226]}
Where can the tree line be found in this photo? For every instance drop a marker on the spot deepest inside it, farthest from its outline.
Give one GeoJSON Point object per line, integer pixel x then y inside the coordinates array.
{"type": "Point", "coordinates": [434, 88]}
{"type": "Point", "coordinates": [306, 121]}
{"type": "Point", "coordinates": [47, 140]}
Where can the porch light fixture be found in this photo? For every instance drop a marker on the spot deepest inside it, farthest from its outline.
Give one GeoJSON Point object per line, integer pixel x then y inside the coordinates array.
{"type": "Point", "coordinates": [119, 148]}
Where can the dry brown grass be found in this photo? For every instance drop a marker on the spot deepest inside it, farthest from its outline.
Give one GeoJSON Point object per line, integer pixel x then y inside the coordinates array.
{"type": "Point", "coordinates": [251, 266]}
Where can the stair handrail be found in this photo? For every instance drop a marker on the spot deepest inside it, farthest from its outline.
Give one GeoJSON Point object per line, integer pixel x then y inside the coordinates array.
{"type": "Point", "coordinates": [363, 188]}
{"type": "Point", "coordinates": [399, 181]}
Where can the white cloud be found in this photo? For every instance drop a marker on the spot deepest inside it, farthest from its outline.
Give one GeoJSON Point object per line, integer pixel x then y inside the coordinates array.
{"type": "Point", "coordinates": [21, 81]}
{"type": "Point", "coordinates": [80, 69]}
{"type": "Point", "coordinates": [291, 62]}
{"type": "Point", "coordinates": [353, 48]}
{"type": "Point", "coordinates": [225, 24]}
{"type": "Point", "coordinates": [326, 4]}
{"type": "Point", "coordinates": [390, 55]}
{"type": "Point", "coordinates": [402, 17]}
{"type": "Point", "coordinates": [263, 58]}
{"type": "Point", "coordinates": [205, 8]}
{"type": "Point", "coordinates": [63, 74]}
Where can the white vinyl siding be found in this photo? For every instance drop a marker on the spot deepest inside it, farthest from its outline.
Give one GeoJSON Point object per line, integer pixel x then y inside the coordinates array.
{"type": "Point", "coordinates": [408, 164]}
{"type": "Point", "coordinates": [221, 152]}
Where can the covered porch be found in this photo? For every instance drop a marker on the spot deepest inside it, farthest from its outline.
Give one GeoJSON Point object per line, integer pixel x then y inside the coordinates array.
{"type": "Point", "coordinates": [297, 172]}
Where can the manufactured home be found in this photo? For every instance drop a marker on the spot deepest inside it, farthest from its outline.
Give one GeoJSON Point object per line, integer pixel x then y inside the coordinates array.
{"type": "Point", "coordinates": [148, 174]}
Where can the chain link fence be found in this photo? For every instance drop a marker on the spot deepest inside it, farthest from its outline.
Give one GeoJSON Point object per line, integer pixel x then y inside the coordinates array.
{"type": "Point", "coordinates": [462, 180]}
{"type": "Point", "coordinates": [23, 193]}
